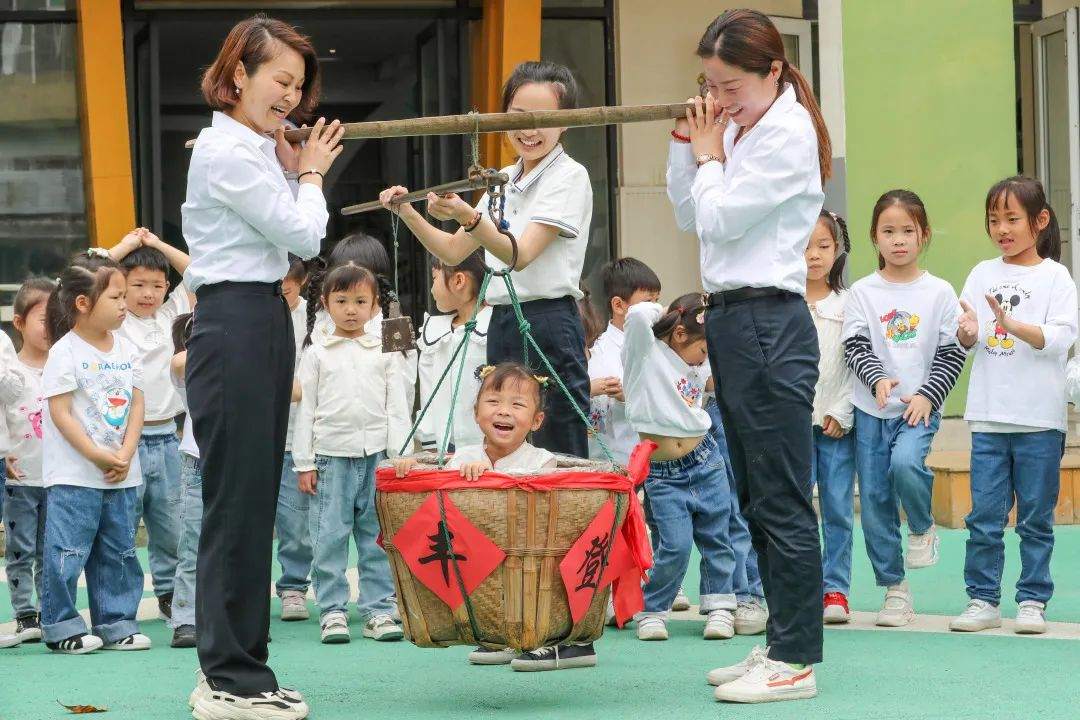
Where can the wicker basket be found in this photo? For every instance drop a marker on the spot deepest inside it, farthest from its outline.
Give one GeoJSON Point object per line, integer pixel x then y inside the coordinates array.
{"type": "Point", "coordinates": [522, 604]}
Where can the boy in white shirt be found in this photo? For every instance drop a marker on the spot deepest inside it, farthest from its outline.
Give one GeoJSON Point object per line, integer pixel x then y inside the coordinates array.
{"type": "Point", "coordinates": [150, 313]}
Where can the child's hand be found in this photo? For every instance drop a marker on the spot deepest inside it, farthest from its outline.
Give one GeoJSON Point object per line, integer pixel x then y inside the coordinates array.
{"type": "Point", "coordinates": [149, 239]}
{"type": "Point", "coordinates": [472, 471]}
{"type": "Point", "coordinates": [882, 389]}
{"type": "Point", "coordinates": [605, 386]}
{"type": "Point", "coordinates": [117, 475]}
{"type": "Point", "coordinates": [13, 469]}
{"type": "Point", "coordinates": [832, 428]}
{"type": "Point", "coordinates": [132, 241]}
{"type": "Point", "coordinates": [918, 410]}
{"type": "Point", "coordinates": [307, 480]}
{"type": "Point", "coordinates": [1004, 320]}
{"type": "Point", "coordinates": [403, 466]}
{"type": "Point", "coordinates": [107, 460]}
{"type": "Point", "coordinates": [967, 331]}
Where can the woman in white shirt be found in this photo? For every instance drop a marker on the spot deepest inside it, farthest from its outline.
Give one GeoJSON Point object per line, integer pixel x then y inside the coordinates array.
{"type": "Point", "coordinates": [745, 171]}
{"type": "Point", "coordinates": [241, 219]}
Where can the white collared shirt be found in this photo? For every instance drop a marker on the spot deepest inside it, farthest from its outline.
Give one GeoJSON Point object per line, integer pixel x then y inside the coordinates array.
{"type": "Point", "coordinates": [832, 395]}
{"type": "Point", "coordinates": [153, 338]}
{"type": "Point", "coordinates": [664, 394]}
{"type": "Point", "coordinates": [608, 415]}
{"type": "Point", "coordinates": [437, 341]}
{"type": "Point", "coordinates": [526, 459]}
{"type": "Point", "coordinates": [352, 403]}
{"type": "Point", "coordinates": [754, 213]}
{"type": "Point", "coordinates": [241, 218]}
{"type": "Point", "coordinates": [557, 192]}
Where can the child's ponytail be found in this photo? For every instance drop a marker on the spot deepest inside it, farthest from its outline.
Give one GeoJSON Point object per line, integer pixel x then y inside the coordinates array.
{"type": "Point", "coordinates": [1048, 244]}
{"type": "Point", "coordinates": [385, 292]}
{"type": "Point", "coordinates": [313, 293]}
{"type": "Point", "coordinates": [687, 311]}
{"type": "Point", "coordinates": [838, 228]}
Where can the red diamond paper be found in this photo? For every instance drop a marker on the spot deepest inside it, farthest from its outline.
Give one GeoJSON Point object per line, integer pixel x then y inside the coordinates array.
{"type": "Point", "coordinates": [581, 568]}
{"type": "Point", "coordinates": [422, 543]}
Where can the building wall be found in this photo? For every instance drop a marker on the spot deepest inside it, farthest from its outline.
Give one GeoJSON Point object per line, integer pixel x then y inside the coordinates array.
{"type": "Point", "coordinates": [655, 60]}
{"type": "Point", "coordinates": [936, 114]}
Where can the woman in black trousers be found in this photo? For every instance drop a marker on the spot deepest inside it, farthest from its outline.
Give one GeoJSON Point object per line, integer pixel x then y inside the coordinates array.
{"type": "Point", "coordinates": [252, 198]}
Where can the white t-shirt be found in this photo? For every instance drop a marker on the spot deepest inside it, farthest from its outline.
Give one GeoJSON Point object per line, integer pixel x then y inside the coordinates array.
{"type": "Point", "coordinates": [153, 338]}
{"type": "Point", "coordinates": [663, 393]}
{"type": "Point", "coordinates": [608, 415]}
{"type": "Point", "coordinates": [1014, 387]}
{"type": "Point", "coordinates": [11, 384]}
{"type": "Point", "coordinates": [556, 192]}
{"type": "Point", "coordinates": [437, 341]}
{"type": "Point", "coordinates": [906, 323]}
{"type": "Point", "coordinates": [102, 386]}
{"type": "Point", "coordinates": [24, 426]}
{"type": "Point", "coordinates": [187, 437]}
{"type": "Point", "coordinates": [299, 326]}
{"type": "Point", "coordinates": [526, 459]}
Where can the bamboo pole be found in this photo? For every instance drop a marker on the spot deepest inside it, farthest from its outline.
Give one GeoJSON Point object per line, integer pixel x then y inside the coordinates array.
{"type": "Point", "coordinates": [501, 122]}
{"type": "Point", "coordinates": [480, 181]}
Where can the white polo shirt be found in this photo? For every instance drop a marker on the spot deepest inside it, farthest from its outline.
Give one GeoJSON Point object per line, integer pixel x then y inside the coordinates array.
{"type": "Point", "coordinates": [556, 192]}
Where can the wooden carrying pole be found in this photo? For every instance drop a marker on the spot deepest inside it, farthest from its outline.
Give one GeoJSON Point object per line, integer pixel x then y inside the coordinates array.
{"type": "Point", "coordinates": [480, 181]}
{"type": "Point", "coordinates": [500, 122]}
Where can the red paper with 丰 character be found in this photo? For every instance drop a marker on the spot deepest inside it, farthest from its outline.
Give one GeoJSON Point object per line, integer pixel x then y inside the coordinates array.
{"type": "Point", "coordinates": [433, 548]}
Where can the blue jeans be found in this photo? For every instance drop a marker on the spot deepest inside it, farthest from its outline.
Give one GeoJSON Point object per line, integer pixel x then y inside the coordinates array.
{"type": "Point", "coordinates": [688, 503]}
{"type": "Point", "coordinates": [1004, 465]}
{"type": "Point", "coordinates": [293, 536]}
{"type": "Point", "coordinates": [345, 505]}
{"type": "Point", "coordinates": [890, 457]}
{"type": "Point", "coordinates": [834, 472]}
{"type": "Point", "coordinates": [191, 511]}
{"type": "Point", "coordinates": [159, 504]}
{"type": "Point", "coordinates": [747, 580]}
{"type": "Point", "coordinates": [24, 516]}
{"type": "Point", "coordinates": [92, 530]}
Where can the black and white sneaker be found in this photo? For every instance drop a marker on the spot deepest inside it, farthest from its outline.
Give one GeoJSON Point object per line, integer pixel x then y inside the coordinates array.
{"type": "Point", "coordinates": [76, 644]}
{"type": "Point", "coordinates": [278, 705]}
{"type": "Point", "coordinates": [562, 657]}
{"type": "Point", "coordinates": [164, 605]}
{"type": "Point", "coordinates": [28, 628]}
{"type": "Point", "coordinates": [138, 641]}
{"type": "Point", "coordinates": [202, 689]}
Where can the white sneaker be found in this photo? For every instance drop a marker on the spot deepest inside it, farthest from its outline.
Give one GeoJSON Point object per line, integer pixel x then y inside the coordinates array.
{"type": "Point", "coordinates": [720, 625]}
{"type": "Point", "coordinates": [1031, 618]}
{"type": "Point", "coordinates": [138, 641]}
{"type": "Point", "coordinates": [652, 627]}
{"type": "Point", "coordinates": [202, 689]}
{"type": "Point", "coordinates": [899, 607]}
{"type": "Point", "coordinates": [681, 601]}
{"type": "Point", "coordinates": [279, 705]}
{"type": "Point", "coordinates": [922, 550]}
{"type": "Point", "coordinates": [770, 681]}
{"type": "Point", "coordinates": [335, 629]}
{"type": "Point", "coordinates": [383, 627]}
{"type": "Point", "coordinates": [978, 615]}
{"type": "Point", "coordinates": [10, 641]}
{"type": "Point", "coordinates": [484, 656]}
{"type": "Point", "coordinates": [730, 673]}
{"type": "Point", "coordinates": [750, 618]}
{"type": "Point", "coordinates": [294, 606]}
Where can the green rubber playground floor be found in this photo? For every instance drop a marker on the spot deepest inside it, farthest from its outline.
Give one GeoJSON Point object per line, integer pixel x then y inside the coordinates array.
{"type": "Point", "coordinates": [867, 674]}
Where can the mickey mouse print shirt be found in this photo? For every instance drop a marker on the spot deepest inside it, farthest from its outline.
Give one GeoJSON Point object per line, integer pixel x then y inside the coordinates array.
{"type": "Point", "coordinates": [102, 386]}
{"type": "Point", "coordinates": [1014, 387]}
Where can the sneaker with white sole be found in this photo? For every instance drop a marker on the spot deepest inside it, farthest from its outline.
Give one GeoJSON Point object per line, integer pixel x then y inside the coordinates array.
{"type": "Point", "coordinates": [486, 656]}
{"type": "Point", "coordinates": [751, 617]}
{"type": "Point", "coordinates": [294, 606]}
{"type": "Point", "coordinates": [729, 673]}
{"type": "Point", "coordinates": [978, 615]}
{"type": "Point", "coordinates": [836, 610]}
{"type": "Point", "coordinates": [278, 705]}
{"type": "Point", "coordinates": [923, 550]}
{"type": "Point", "coordinates": [9, 641]}
{"type": "Point", "coordinates": [770, 681]}
{"type": "Point", "coordinates": [137, 641]}
{"type": "Point", "coordinates": [681, 602]}
{"type": "Point", "coordinates": [76, 644]}
{"type": "Point", "coordinates": [563, 657]}
{"type": "Point", "coordinates": [719, 625]}
{"type": "Point", "coordinates": [202, 689]}
{"type": "Point", "coordinates": [28, 628]}
{"type": "Point", "coordinates": [1031, 618]}
{"type": "Point", "coordinates": [383, 628]}
{"type": "Point", "coordinates": [652, 627]}
{"type": "Point", "coordinates": [898, 609]}
{"type": "Point", "coordinates": [335, 629]}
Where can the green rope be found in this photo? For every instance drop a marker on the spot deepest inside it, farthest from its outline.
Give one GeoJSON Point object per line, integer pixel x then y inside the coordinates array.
{"type": "Point", "coordinates": [457, 569]}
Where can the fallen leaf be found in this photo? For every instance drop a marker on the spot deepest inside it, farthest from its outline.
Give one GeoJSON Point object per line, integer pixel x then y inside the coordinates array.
{"type": "Point", "coordinates": [82, 709]}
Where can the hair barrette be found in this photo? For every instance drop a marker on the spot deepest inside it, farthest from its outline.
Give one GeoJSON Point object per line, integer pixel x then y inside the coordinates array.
{"type": "Point", "coordinates": [98, 253]}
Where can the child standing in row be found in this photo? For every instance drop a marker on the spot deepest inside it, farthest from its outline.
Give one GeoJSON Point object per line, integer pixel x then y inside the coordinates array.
{"type": "Point", "coordinates": [151, 310]}
{"type": "Point", "coordinates": [900, 342]}
{"type": "Point", "coordinates": [687, 488]}
{"type": "Point", "coordinates": [24, 509]}
{"type": "Point", "coordinates": [1019, 321]}
{"type": "Point", "coordinates": [833, 467]}
{"type": "Point", "coordinates": [92, 422]}
{"type": "Point", "coordinates": [353, 413]}
{"type": "Point", "coordinates": [10, 389]}
{"type": "Point", "coordinates": [455, 289]}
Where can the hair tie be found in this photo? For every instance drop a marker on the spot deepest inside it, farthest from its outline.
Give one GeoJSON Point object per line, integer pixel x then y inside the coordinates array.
{"type": "Point", "coordinates": [98, 253]}
{"type": "Point", "coordinates": [483, 371]}
{"type": "Point", "coordinates": [58, 283]}
{"type": "Point", "coordinates": [543, 380]}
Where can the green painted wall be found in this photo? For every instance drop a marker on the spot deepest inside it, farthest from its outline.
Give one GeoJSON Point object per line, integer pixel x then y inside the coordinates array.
{"type": "Point", "coordinates": [930, 105]}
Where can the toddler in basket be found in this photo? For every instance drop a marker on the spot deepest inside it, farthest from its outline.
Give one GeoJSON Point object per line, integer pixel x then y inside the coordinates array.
{"type": "Point", "coordinates": [509, 406]}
